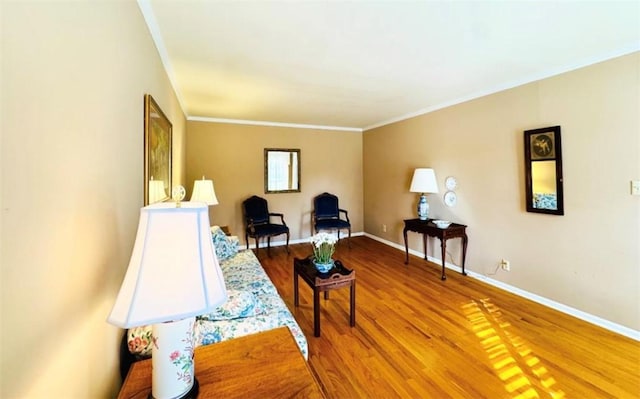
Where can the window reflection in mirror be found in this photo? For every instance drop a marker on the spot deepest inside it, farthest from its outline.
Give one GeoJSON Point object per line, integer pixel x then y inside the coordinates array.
{"type": "Point", "coordinates": [281, 170]}
{"type": "Point", "coordinates": [543, 168]}
{"type": "Point", "coordinates": [543, 174]}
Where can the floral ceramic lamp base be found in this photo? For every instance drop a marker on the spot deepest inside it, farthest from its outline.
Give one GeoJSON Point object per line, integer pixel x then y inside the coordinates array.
{"type": "Point", "coordinates": [172, 359]}
{"type": "Point", "coordinates": [423, 208]}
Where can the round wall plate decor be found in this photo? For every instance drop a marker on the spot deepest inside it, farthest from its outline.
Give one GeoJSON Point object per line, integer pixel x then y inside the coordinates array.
{"type": "Point", "coordinates": [451, 183]}
{"type": "Point", "coordinates": [450, 198]}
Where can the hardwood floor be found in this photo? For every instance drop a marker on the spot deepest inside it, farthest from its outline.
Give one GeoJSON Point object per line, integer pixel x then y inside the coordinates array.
{"type": "Point", "coordinates": [419, 337]}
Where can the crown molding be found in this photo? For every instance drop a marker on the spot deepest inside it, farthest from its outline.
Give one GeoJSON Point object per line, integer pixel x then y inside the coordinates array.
{"type": "Point", "coordinates": [277, 124]}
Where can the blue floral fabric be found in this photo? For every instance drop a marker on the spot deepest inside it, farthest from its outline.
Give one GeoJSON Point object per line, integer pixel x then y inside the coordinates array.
{"type": "Point", "coordinates": [246, 281]}
{"type": "Point", "coordinates": [239, 304]}
{"type": "Point", "coordinates": [545, 201]}
{"type": "Point", "coordinates": [224, 246]}
{"type": "Point", "coordinates": [244, 272]}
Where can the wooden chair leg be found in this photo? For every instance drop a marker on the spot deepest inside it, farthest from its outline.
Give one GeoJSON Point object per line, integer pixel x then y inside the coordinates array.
{"type": "Point", "coordinates": [287, 243]}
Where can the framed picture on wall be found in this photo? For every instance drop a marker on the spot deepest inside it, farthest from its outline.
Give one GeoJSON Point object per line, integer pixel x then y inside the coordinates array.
{"type": "Point", "coordinates": [157, 153]}
{"type": "Point", "coordinates": [543, 145]}
{"type": "Point", "coordinates": [543, 171]}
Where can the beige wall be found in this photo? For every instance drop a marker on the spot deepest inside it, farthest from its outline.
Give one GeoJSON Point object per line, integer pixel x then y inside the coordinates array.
{"type": "Point", "coordinates": [589, 258]}
{"type": "Point", "coordinates": [73, 79]}
{"type": "Point", "coordinates": [233, 157]}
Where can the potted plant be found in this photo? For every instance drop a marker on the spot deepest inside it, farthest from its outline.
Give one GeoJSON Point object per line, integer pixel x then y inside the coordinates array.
{"type": "Point", "coordinates": [324, 245]}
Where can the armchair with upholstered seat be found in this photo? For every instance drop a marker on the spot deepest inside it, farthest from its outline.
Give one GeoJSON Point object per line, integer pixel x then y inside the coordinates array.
{"type": "Point", "coordinates": [257, 219]}
{"type": "Point", "coordinates": [326, 215]}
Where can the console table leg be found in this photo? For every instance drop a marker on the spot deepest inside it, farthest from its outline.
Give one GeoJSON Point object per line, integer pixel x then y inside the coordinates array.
{"type": "Point", "coordinates": [464, 253]}
{"type": "Point", "coordinates": [424, 244]}
{"type": "Point", "coordinates": [406, 247]}
{"type": "Point", "coordinates": [295, 289]}
{"type": "Point", "coordinates": [353, 303]}
{"type": "Point", "coordinates": [316, 312]}
{"type": "Point", "coordinates": [443, 245]}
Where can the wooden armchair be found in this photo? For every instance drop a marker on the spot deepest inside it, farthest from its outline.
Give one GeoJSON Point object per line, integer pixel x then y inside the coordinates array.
{"type": "Point", "coordinates": [326, 215]}
{"type": "Point", "coordinates": [257, 219]}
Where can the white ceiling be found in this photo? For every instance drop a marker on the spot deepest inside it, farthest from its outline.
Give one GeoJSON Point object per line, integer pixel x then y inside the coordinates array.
{"type": "Point", "coordinates": [361, 64]}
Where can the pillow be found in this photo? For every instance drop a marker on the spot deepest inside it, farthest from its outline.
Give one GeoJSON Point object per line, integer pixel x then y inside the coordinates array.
{"type": "Point", "coordinates": [239, 304]}
{"type": "Point", "coordinates": [224, 247]}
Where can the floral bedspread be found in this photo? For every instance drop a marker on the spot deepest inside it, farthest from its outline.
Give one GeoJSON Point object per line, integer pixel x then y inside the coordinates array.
{"type": "Point", "coordinates": [254, 305]}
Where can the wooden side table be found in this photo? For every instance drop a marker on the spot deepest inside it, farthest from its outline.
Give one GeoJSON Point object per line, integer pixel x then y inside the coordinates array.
{"type": "Point", "coordinates": [428, 228]}
{"type": "Point", "coordinates": [337, 277]}
{"type": "Point", "coordinates": [262, 365]}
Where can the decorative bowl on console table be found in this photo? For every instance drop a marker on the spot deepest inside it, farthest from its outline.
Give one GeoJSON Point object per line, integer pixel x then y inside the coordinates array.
{"type": "Point", "coordinates": [442, 224]}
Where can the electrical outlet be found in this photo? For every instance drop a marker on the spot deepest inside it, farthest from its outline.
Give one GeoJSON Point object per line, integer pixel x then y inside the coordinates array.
{"type": "Point", "coordinates": [384, 228]}
{"type": "Point", "coordinates": [505, 265]}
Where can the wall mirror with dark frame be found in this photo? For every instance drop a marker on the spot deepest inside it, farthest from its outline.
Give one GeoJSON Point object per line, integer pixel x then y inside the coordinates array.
{"type": "Point", "coordinates": [543, 170]}
{"type": "Point", "coordinates": [281, 170]}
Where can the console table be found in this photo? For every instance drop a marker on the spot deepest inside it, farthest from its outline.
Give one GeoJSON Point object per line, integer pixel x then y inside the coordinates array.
{"type": "Point", "coordinates": [428, 228]}
{"type": "Point", "coordinates": [263, 365]}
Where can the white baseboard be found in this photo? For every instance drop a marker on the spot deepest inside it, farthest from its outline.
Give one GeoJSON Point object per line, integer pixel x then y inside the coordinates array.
{"type": "Point", "coordinates": [598, 321]}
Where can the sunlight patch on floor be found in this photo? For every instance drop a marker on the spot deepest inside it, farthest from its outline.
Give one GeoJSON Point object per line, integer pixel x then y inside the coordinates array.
{"type": "Point", "coordinates": [514, 362]}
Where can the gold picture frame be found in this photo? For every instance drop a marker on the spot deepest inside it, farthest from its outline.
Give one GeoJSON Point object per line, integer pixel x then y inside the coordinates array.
{"type": "Point", "coordinates": [157, 152]}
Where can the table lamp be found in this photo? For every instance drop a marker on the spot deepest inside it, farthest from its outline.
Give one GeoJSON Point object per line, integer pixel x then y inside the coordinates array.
{"type": "Point", "coordinates": [173, 276]}
{"type": "Point", "coordinates": [423, 182]}
{"type": "Point", "coordinates": [203, 192]}
{"type": "Point", "coordinates": [157, 192]}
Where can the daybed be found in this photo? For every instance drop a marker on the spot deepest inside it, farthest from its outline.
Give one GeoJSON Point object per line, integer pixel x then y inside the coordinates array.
{"type": "Point", "coordinates": [254, 304]}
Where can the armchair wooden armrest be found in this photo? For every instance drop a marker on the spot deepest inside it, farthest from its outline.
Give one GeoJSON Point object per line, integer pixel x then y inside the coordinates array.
{"type": "Point", "coordinates": [281, 215]}
{"type": "Point", "coordinates": [346, 214]}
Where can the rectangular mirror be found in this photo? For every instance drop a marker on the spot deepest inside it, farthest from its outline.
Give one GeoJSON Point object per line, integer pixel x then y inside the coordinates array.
{"type": "Point", "coordinates": [281, 170]}
{"type": "Point", "coordinates": [543, 169]}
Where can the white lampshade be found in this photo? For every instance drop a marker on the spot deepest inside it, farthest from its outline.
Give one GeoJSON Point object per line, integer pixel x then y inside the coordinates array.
{"type": "Point", "coordinates": [174, 272]}
{"type": "Point", "coordinates": [203, 192]}
{"type": "Point", "coordinates": [173, 276]}
{"type": "Point", "coordinates": [424, 181]}
{"type": "Point", "coordinates": [157, 192]}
